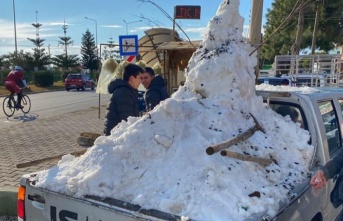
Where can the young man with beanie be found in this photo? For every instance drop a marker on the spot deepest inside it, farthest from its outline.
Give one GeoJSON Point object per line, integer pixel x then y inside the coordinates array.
{"type": "Point", "coordinates": [155, 90]}
{"type": "Point", "coordinates": [124, 99]}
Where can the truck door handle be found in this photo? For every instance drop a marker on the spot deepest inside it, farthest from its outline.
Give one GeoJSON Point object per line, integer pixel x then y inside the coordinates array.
{"type": "Point", "coordinates": [36, 198]}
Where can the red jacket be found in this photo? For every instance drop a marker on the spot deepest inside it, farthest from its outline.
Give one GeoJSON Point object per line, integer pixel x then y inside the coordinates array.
{"type": "Point", "coordinates": [15, 76]}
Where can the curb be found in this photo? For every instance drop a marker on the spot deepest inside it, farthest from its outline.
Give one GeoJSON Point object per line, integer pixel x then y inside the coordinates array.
{"type": "Point", "coordinates": [8, 201]}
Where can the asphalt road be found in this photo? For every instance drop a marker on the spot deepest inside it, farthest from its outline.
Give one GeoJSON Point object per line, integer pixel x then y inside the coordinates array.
{"type": "Point", "coordinates": [44, 105]}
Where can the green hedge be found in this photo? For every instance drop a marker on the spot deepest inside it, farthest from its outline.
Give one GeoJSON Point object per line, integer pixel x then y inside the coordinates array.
{"type": "Point", "coordinates": [43, 78]}
{"type": "Point", "coordinates": [94, 76]}
{"type": "Point", "coordinates": [3, 74]}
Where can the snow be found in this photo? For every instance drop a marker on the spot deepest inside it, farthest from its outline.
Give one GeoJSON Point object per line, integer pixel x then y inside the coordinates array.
{"type": "Point", "coordinates": [159, 161]}
{"type": "Point", "coordinates": [268, 87]}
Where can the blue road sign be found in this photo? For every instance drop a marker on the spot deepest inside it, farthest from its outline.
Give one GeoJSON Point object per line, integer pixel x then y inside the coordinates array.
{"type": "Point", "coordinates": [128, 45]}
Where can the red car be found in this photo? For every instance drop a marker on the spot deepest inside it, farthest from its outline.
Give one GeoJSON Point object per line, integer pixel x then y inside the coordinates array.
{"type": "Point", "coordinates": [79, 81]}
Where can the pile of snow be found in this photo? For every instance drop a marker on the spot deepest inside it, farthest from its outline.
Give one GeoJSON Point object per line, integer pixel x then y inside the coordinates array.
{"type": "Point", "coordinates": [159, 161]}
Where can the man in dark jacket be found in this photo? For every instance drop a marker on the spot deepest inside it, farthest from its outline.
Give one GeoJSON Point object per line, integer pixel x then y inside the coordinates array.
{"type": "Point", "coordinates": [155, 90]}
{"type": "Point", "coordinates": [124, 99]}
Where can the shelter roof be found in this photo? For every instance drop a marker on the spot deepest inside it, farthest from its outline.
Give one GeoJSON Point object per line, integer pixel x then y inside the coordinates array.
{"type": "Point", "coordinates": [179, 45]}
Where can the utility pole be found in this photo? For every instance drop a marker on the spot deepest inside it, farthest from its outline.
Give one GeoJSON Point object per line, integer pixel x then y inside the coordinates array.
{"type": "Point", "coordinates": [15, 35]}
{"type": "Point", "coordinates": [300, 30]}
{"type": "Point", "coordinates": [315, 28]}
{"type": "Point", "coordinates": [255, 35]}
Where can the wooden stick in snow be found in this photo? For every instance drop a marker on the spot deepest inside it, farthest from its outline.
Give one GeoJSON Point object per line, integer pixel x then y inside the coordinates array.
{"type": "Point", "coordinates": [57, 157]}
{"type": "Point", "coordinates": [239, 138]}
{"type": "Point", "coordinates": [262, 161]}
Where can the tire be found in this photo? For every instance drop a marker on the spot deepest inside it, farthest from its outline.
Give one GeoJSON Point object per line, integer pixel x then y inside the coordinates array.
{"type": "Point", "coordinates": [83, 87]}
{"type": "Point", "coordinates": [26, 103]}
{"type": "Point", "coordinates": [67, 89]}
{"type": "Point", "coordinates": [92, 88]}
{"type": "Point", "coordinates": [8, 107]}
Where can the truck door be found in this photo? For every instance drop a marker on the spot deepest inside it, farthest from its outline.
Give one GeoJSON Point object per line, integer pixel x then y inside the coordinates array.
{"type": "Point", "coordinates": [332, 143]}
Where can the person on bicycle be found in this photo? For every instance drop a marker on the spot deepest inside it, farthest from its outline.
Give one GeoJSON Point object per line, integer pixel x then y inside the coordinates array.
{"type": "Point", "coordinates": [14, 81]}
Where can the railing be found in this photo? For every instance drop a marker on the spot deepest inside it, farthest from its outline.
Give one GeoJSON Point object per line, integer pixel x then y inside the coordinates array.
{"type": "Point", "coordinates": [328, 66]}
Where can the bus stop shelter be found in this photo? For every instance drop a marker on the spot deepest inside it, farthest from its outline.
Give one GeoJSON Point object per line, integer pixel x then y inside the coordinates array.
{"type": "Point", "coordinates": [176, 55]}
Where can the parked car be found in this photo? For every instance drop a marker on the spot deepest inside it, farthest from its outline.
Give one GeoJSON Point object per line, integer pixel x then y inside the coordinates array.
{"type": "Point", "coordinates": [79, 81]}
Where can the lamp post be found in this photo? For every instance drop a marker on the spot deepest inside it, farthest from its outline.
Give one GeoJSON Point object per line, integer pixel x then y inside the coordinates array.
{"type": "Point", "coordinates": [97, 51]}
{"type": "Point", "coordinates": [96, 35]}
{"type": "Point", "coordinates": [127, 31]}
{"type": "Point", "coordinates": [15, 35]}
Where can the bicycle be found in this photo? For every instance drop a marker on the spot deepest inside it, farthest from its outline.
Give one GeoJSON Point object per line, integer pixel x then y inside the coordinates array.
{"type": "Point", "coordinates": [10, 103]}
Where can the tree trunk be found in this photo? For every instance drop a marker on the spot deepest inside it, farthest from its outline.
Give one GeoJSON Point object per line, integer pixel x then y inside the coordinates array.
{"type": "Point", "coordinates": [315, 28]}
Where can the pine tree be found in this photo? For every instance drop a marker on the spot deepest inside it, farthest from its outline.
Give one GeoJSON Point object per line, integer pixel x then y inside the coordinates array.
{"type": "Point", "coordinates": [40, 58]}
{"type": "Point", "coordinates": [64, 60]}
{"type": "Point", "coordinates": [111, 50]}
{"type": "Point", "coordinates": [329, 35]}
{"type": "Point", "coordinates": [89, 58]}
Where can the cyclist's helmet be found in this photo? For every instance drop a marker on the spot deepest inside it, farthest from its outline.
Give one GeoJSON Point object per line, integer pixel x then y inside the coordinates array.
{"type": "Point", "coordinates": [17, 68]}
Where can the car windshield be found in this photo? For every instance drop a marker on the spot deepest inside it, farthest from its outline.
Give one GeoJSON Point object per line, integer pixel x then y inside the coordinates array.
{"type": "Point", "coordinates": [74, 76]}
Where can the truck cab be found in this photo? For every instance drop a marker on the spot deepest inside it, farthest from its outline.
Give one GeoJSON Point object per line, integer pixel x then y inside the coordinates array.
{"type": "Point", "coordinates": [319, 112]}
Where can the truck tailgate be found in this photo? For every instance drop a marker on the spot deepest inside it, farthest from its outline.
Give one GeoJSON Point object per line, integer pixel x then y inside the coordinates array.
{"type": "Point", "coordinates": [42, 204]}
{"type": "Point", "coordinates": [45, 205]}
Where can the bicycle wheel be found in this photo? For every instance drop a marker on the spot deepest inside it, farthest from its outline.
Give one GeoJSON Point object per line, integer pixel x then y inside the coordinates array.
{"type": "Point", "coordinates": [26, 103]}
{"type": "Point", "coordinates": [8, 106]}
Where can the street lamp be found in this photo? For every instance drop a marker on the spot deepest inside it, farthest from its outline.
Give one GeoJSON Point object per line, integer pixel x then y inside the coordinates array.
{"type": "Point", "coordinates": [96, 35]}
{"type": "Point", "coordinates": [130, 23]}
{"type": "Point", "coordinates": [97, 51]}
{"type": "Point", "coordinates": [15, 35]}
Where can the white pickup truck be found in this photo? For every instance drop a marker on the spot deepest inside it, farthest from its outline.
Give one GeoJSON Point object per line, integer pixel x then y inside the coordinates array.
{"type": "Point", "coordinates": [319, 112]}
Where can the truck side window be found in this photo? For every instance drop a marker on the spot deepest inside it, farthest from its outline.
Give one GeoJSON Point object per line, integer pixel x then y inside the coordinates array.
{"type": "Point", "coordinates": [331, 125]}
{"type": "Point", "coordinates": [340, 101]}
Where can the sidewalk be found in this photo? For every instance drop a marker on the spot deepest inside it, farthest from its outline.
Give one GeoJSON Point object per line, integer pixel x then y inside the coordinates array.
{"type": "Point", "coordinates": [39, 139]}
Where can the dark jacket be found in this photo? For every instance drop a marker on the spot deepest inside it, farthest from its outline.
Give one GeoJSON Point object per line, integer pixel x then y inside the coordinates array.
{"type": "Point", "coordinates": [155, 93]}
{"type": "Point", "coordinates": [123, 103]}
{"type": "Point", "coordinates": [331, 169]}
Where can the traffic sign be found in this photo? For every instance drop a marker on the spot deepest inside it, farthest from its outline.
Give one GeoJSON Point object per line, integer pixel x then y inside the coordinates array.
{"type": "Point", "coordinates": [131, 58]}
{"type": "Point", "coordinates": [128, 45]}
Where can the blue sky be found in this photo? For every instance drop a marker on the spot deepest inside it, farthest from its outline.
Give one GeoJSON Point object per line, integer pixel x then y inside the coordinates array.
{"type": "Point", "coordinates": [109, 16]}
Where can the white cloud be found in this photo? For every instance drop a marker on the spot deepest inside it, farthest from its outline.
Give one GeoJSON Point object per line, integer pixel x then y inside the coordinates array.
{"type": "Point", "coordinates": [199, 30]}
{"type": "Point", "coordinates": [25, 31]}
{"type": "Point", "coordinates": [57, 24]}
{"type": "Point", "coordinates": [111, 26]}
{"type": "Point", "coordinates": [144, 28]}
